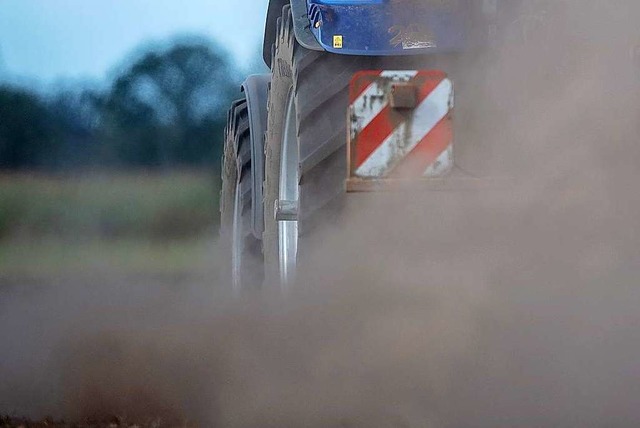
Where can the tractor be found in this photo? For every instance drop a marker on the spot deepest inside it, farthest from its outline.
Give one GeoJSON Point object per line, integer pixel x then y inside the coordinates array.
{"type": "Point", "coordinates": [359, 98]}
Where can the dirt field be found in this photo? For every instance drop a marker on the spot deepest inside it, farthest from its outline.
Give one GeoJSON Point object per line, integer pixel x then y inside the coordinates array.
{"type": "Point", "coordinates": [71, 309]}
{"type": "Point", "coordinates": [502, 309]}
{"type": "Point", "coordinates": [113, 422]}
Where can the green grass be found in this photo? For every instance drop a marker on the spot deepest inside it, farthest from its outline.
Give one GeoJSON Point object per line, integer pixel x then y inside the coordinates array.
{"type": "Point", "coordinates": [55, 258]}
{"type": "Point", "coordinates": [114, 223]}
{"type": "Point", "coordinates": [108, 206]}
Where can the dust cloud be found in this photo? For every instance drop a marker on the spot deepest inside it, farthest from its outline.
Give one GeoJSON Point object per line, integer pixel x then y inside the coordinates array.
{"type": "Point", "coordinates": [510, 307]}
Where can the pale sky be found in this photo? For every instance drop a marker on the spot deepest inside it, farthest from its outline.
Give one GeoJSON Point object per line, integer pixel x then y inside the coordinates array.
{"type": "Point", "coordinates": [48, 40]}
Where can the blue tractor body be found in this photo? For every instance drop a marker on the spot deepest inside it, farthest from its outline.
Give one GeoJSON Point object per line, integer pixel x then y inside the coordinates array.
{"type": "Point", "coordinates": [392, 27]}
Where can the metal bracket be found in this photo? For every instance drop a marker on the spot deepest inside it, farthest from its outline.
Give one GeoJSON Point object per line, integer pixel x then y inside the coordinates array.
{"type": "Point", "coordinates": [302, 26]}
{"type": "Point", "coordinates": [403, 96]}
{"type": "Point", "coordinates": [286, 210]}
{"type": "Point", "coordinates": [445, 184]}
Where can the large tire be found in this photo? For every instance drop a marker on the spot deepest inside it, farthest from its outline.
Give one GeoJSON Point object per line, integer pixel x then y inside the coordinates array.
{"type": "Point", "coordinates": [243, 252]}
{"type": "Point", "coordinates": [319, 83]}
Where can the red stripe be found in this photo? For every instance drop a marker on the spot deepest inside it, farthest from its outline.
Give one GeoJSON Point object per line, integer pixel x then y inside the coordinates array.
{"type": "Point", "coordinates": [428, 86]}
{"type": "Point", "coordinates": [360, 82]}
{"type": "Point", "coordinates": [426, 152]}
{"type": "Point", "coordinates": [371, 137]}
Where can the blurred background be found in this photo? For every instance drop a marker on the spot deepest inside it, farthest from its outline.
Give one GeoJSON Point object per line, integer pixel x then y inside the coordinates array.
{"type": "Point", "coordinates": [111, 124]}
{"type": "Point", "coordinates": [487, 309]}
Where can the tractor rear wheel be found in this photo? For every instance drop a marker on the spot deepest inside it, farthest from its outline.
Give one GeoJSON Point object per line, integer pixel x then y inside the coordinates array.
{"type": "Point", "coordinates": [305, 163]}
{"type": "Point", "coordinates": [243, 250]}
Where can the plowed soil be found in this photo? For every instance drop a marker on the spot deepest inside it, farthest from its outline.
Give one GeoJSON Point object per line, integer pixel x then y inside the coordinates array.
{"type": "Point", "coordinates": [112, 422]}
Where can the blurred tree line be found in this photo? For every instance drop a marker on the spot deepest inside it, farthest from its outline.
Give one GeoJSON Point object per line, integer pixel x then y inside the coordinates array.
{"type": "Point", "coordinates": [166, 109]}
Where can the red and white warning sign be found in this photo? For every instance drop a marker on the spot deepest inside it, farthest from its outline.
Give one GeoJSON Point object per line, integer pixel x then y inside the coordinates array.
{"type": "Point", "coordinates": [400, 125]}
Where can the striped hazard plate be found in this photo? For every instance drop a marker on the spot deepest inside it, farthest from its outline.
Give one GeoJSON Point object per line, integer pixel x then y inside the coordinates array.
{"type": "Point", "coordinates": [400, 127]}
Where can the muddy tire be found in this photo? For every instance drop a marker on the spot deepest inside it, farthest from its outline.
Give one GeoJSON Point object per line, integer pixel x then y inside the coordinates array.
{"type": "Point", "coordinates": [317, 82]}
{"type": "Point", "coordinates": [243, 251]}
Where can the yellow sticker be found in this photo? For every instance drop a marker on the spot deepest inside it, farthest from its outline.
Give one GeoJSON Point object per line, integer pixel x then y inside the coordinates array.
{"type": "Point", "coordinates": [337, 42]}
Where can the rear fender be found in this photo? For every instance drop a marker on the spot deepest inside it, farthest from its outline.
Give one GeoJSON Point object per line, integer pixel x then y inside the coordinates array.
{"type": "Point", "coordinates": [302, 26]}
{"type": "Point", "coordinates": [256, 91]}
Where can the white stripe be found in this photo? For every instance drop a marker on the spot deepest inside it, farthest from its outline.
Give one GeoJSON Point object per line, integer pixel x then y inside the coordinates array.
{"type": "Point", "coordinates": [407, 136]}
{"type": "Point", "coordinates": [400, 74]}
{"type": "Point", "coordinates": [373, 100]}
{"type": "Point", "coordinates": [442, 165]}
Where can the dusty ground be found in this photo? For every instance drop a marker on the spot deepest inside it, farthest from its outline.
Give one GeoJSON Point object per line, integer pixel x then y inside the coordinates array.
{"type": "Point", "coordinates": [112, 422]}
{"type": "Point", "coordinates": [503, 310]}
{"type": "Point", "coordinates": [84, 344]}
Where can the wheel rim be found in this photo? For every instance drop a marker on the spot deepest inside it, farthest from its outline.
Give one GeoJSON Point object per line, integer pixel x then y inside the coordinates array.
{"type": "Point", "coordinates": [237, 240]}
{"type": "Point", "coordinates": [289, 190]}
